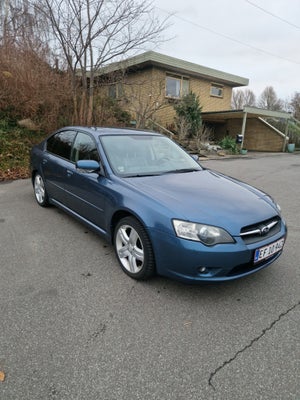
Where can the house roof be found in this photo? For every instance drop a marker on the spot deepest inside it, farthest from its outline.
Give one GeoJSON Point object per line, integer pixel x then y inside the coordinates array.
{"type": "Point", "coordinates": [151, 58]}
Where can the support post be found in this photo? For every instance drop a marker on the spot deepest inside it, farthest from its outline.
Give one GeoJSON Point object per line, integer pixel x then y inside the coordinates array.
{"type": "Point", "coordinates": [244, 128]}
{"type": "Point", "coordinates": [285, 135]}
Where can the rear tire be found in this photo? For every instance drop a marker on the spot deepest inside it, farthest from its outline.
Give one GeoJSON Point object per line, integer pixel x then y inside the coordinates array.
{"type": "Point", "coordinates": [133, 249]}
{"type": "Point", "coordinates": [40, 192]}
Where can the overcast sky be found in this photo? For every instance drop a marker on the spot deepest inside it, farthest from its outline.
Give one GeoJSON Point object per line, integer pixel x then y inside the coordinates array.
{"type": "Point", "coordinates": [255, 39]}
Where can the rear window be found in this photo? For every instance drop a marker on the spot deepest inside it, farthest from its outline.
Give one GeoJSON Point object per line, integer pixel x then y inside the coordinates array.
{"type": "Point", "coordinates": [60, 144]}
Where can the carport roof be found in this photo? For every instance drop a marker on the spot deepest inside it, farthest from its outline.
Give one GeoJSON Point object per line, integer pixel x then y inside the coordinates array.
{"type": "Point", "coordinates": [251, 112]}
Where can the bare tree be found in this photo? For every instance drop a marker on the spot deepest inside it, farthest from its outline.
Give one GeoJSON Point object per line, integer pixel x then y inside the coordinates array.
{"type": "Point", "coordinates": [269, 100]}
{"type": "Point", "coordinates": [249, 98]}
{"type": "Point", "coordinates": [295, 104]}
{"type": "Point", "coordinates": [143, 105]}
{"type": "Point", "coordinates": [237, 99]}
{"type": "Point", "coordinates": [24, 27]}
{"type": "Point", "coordinates": [93, 33]}
{"type": "Point", "coordinates": [29, 87]}
{"type": "Point", "coordinates": [242, 98]}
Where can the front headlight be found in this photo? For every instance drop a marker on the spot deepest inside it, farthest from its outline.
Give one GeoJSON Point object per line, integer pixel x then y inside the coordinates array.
{"type": "Point", "coordinates": [206, 234]}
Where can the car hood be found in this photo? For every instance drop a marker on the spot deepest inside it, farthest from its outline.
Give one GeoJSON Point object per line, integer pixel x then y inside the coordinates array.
{"type": "Point", "coordinates": [207, 197]}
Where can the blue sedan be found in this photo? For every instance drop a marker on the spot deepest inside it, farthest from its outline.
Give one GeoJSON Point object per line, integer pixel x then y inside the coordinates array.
{"type": "Point", "coordinates": [161, 210]}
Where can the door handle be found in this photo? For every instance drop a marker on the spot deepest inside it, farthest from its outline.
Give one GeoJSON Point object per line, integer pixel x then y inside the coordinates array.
{"type": "Point", "coordinates": [69, 172]}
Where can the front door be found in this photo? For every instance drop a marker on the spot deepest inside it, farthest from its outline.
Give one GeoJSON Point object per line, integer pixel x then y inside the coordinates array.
{"type": "Point", "coordinates": [86, 192]}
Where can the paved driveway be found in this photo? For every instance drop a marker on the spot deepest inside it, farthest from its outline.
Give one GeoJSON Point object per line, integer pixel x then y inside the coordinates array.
{"type": "Point", "coordinates": [74, 326]}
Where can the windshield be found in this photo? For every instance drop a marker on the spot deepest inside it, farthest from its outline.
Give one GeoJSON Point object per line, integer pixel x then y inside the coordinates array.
{"type": "Point", "coordinates": [140, 155]}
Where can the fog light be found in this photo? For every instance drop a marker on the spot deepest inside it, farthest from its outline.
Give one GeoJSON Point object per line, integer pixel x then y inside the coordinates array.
{"type": "Point", "coordinates": [202, 270]}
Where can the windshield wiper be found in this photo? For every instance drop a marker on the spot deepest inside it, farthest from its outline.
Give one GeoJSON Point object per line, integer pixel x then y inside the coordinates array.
{"type": "Point", "coordinates": [182, 170]}
{"type": "Point", "coordinates": [140, 175]}
{"type": "Point", "coordinates": [172, 171]}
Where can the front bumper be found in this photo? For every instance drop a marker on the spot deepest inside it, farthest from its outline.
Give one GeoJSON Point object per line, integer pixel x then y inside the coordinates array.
{"type": "Point", "coordinates": [190, 261]}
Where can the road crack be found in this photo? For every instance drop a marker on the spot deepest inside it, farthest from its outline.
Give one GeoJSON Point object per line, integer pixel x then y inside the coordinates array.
{"type": "Point", "coordinates": [256, 339]}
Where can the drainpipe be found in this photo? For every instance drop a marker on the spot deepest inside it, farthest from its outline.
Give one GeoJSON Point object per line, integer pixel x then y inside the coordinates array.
{"type": "Point", "coordinates": [244, 128]}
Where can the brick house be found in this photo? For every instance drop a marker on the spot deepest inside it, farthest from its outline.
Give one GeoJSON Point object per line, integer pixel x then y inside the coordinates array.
{"type": "Point", "coordinates": [148, 84]}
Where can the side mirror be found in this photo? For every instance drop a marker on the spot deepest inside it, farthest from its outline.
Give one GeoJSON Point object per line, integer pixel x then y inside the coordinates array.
{"type": "Point", "coordinates": [195, 157]}
{"type": "Point", "coordinates": [88, 165]}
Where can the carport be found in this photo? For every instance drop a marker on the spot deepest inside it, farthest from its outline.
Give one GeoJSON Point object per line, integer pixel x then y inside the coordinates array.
{"type": "Point", "coordinates": [250, 122]}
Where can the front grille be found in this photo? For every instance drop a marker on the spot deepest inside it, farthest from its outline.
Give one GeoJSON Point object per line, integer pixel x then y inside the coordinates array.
{"type": "Point", "coordinates": [261, 230]}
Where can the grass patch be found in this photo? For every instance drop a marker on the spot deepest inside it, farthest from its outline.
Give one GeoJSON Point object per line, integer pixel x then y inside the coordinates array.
{"type": "Point", "coordinates": [15, 146]}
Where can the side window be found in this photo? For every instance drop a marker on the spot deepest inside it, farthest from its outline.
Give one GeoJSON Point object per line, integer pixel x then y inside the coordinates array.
{"type": "Point", "coordinates": [177, 86]}
{"type": "Point", "coordinates": [84, 148]}
{"type": "Point", "coordinates": [216, 90]}
{"type": "Point", "coordinates": [60, 144]}
{"type": "Point", "coordinates": [172, 87]}
{"type": "Point", "coordinates": [115, 91]}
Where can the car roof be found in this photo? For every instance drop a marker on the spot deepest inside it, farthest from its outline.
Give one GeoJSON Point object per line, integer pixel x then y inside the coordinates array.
{"type": "Point", "coordinates": [102, 131]}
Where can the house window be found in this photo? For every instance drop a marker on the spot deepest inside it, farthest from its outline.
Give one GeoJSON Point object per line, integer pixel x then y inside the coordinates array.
{"type": "Point", "coordinates": [177, 86]}
{"type": "Point", "coordinates": [216, 90]}
{"type": "Point", "coordinates": [115, 91]}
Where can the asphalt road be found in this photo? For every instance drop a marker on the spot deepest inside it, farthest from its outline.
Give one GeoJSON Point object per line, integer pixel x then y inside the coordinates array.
{"type": "Point", "coordinates": [74, 326]}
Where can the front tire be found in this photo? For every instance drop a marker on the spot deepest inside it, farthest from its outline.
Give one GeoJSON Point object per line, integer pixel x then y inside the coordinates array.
{"type": "Point", "coordinates": [40, 192]}
{"type": "Point", "coordinates": [133, 249]}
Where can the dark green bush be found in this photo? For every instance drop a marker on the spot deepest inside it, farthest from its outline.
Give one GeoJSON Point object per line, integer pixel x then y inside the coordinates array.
{"type": "Point", "coordinates": [229, 143]}
{"type": "Point", "coordinates": [188, 114]}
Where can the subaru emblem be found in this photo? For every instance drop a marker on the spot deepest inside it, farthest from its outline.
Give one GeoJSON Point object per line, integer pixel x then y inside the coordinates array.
{"type": "Point", "coordinates": [264, 230]}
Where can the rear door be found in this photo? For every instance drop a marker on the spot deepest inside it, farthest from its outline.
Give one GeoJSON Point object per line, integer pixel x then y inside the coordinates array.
{"type": "Point", "coordinates": [56, 161]}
